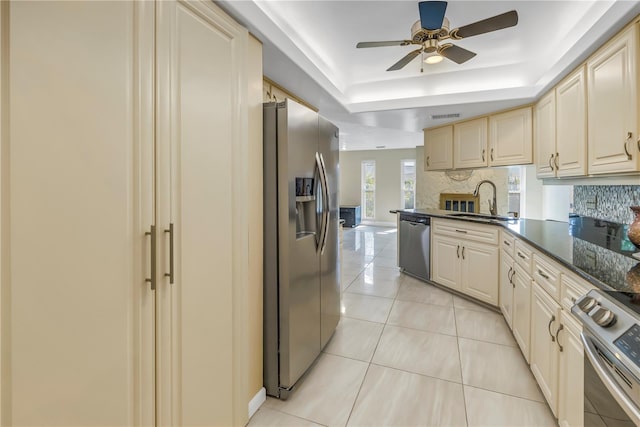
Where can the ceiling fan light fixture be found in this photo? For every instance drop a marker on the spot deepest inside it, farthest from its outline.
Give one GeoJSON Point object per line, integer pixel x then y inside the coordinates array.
{"type": "Point", "coordinates": [433, 59]}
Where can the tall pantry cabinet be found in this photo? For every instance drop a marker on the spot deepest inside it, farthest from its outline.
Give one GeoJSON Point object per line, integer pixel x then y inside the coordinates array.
{"type": "Point", "coordinates": [125, 149]}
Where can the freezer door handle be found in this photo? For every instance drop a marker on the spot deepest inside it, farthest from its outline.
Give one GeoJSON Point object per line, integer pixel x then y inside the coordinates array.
{"type": "Point", "coordinates": [326, 204]}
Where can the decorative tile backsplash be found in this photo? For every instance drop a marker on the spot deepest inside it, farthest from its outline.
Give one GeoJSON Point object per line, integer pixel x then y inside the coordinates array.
{"type": "Point", "coordinates": [610, 202]}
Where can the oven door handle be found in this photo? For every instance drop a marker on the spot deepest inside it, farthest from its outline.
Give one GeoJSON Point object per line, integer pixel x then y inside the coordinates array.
{"type": "Point", "coordinates": [618, 394]}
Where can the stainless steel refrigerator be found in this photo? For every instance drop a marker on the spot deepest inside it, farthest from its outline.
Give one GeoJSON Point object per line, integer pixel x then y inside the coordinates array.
{"type": "Point", "coordinates": [301, 247]}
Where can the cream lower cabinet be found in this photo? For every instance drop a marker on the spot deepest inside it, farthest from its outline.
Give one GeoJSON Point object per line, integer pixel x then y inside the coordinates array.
{"type": "Point", "coordinates": [545, 318]}
{"type": "Point", "coordinates": [571, 365]}
{"type": "Point", "coordinates": [467, 266]}
{"type": "Point", "coordinates": [122, 224]}
{"type": "Point", "coordinates": [521, 326]}
{"type": "Point", "coordinates": [506, 287]}
{"type": "Point", "coordinates": [515, 301]}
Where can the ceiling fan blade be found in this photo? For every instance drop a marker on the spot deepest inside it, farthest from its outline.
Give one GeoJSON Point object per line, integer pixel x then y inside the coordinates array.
{"type": "Point", "coordinates": [387, 43]}
{"type": "Point", "coordinates": [432, 14]}
{"type": "Point", "coordinates": [455, 53]}
{"type": "Point", "coordinates": [404, 61]}
{"type": "Point", "coordinates": [498, 22]}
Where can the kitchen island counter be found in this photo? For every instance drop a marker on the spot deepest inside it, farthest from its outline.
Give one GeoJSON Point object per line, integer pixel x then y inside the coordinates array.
{"type": "Point", "coordinates": [596, 250]}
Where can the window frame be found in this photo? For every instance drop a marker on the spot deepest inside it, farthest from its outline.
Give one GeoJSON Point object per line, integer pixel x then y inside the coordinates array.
{"type": "Point", "coordinates": [364, 191]}
{"type": "Point", "coordinates": [402, 180]}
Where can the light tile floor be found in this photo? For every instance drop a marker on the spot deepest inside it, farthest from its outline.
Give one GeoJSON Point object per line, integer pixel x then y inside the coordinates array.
{"type": "Point", "coordinates": [407, 353]}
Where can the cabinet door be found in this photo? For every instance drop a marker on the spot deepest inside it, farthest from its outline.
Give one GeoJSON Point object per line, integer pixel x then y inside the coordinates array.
{"type": "Point", "coordinates": [76, 203]}
{"type": "Point", "coordinates": [571, 403]}
{"type": "Point", "coordinates": [571, 125]}
{"type": "Point", "coordinates": [522, 310]}
{"type": "Point", "coordinates": [510, 138]}
{"type": "Point", "coordinates": [544, 352]}
{"type": "Point", "coordinates": [545, 135]}
{"type": "Point", "coordinates": [200, 145]}
{"type": "Point", "coordinates": [445, 261]}
{"type": "Point", "coordinates": [480, 265]}
{"type": "Point", "coordinates": [613, 106]}
{"type": "Point", "coordinates": [506, 287]}
{"type": "Point", "coordinates": [470, 144]}
{"type": "Point", "coordinates": [438, 148]}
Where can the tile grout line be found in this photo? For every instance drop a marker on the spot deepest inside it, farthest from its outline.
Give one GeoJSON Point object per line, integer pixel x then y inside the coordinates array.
{"type": "Point", "coordinates": [464, 397]}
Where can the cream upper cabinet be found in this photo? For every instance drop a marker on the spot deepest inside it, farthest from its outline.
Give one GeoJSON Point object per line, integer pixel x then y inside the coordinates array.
{"type": "Point", "coordinates": [470, 144]}
{"type": "Point", "coordinates": [545, 136]}
{"type": "Point", "coordinates": [612, 105]}
{"type": "Point", "coordinates": [438, 148]}
{"type": "Point", "coordinates": [571, 125]}
{"type": "Point", "coordinates": [511, 138]}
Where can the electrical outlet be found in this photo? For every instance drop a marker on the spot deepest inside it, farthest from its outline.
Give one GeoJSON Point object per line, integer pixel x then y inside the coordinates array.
{"type": "Point", "coordinates": [592, 202]}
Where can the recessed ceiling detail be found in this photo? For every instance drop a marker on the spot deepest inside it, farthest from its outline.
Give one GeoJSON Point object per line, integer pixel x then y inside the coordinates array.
{"type": "Point", "coordinates": [310, 49]}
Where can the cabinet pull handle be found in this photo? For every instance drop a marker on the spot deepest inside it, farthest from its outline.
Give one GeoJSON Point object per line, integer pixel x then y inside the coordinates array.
{"type": "Point", "coordinates": [458, 251]}
{"type": "Point", "coordinates": [557, 339]}
{"type": "Point", "coordinates": [170, 273]}
{"type": "Point", "coordinates": [638, 143]}
{"type": "Point", "coordinates": [461, 231]}
{"type": "Point", "coordinates": [553, 318]}
{"type": "Point", "coordinates": [506, 243]}
{"type": "Point", "coordinates": [509, 274]}
{"type": "Point", "coordinates": [629, 136]}
{"type": "Point", "coordinates": [540, 272]}
{"type": "Point", "coordinates": [550, 160]}
{"type": "Point", "coordinates": [556, 161]}
{"type": "Point", "coordinates": [521, 256]}
{"type": "Point", "coordinates": [492, 154]}
{"type": "Point", "coordinates": [152, 280]}
{"type": "Point", "coordinates": [463, 252]}
{"type": "Point", "coordinates": [428, 161]}
{"type": "Point", "coordinates": [512, 276]}
{"type": "Point", "coordinates": [483, 151]}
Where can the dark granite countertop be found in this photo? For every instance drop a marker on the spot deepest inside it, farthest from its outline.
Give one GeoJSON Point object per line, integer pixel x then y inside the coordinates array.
{"type": "Point", "coordinates": [596, 250]}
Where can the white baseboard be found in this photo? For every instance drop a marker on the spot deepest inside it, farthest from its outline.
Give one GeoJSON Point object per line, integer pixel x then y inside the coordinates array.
{"type": "Point", "coordinates": [257, 401]}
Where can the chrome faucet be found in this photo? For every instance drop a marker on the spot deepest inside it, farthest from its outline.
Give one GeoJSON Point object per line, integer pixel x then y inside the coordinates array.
{"type": "Point", "coordinates": [493, 208]}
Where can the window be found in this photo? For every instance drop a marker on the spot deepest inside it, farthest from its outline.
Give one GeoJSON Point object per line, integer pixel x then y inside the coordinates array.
{"type": "Point", "coordinates": [408, 183]}
{"type": "Point", "coordinates": [368, 189]}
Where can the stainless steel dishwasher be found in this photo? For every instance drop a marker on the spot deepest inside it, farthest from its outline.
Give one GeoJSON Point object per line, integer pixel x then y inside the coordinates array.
{"type": "Point", "coordinates": [414, 253]}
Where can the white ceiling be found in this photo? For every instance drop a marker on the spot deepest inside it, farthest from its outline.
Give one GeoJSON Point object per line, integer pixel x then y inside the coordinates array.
{"type": "Point", "coordinates": [309, 48]}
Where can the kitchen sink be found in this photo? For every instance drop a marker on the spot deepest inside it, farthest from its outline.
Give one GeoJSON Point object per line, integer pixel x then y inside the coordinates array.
{"type": "Point", "coordinates": [482, 216]}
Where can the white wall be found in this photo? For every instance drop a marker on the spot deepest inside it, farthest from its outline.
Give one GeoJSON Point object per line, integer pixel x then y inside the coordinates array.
{"type": "Point", "coordinates": [388, 188]}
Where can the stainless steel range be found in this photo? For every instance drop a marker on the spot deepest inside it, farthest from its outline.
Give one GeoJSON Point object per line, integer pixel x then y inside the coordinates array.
{"type": "Point", "coordinates": [611, 338]}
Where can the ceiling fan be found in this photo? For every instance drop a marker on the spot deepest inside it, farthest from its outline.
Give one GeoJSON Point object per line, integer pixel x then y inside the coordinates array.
{"type": "Point", "coordinates": [433, 28]}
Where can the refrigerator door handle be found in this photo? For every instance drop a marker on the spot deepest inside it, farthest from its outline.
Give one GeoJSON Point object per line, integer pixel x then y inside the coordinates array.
{"type": "Point", "coordinates": [320, 199]}
{"type": "Point", "coordinates": [326, 206]}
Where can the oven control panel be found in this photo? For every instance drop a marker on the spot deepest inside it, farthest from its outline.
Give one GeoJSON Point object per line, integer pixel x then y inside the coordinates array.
{"type": "Point", "coordinates": [629, 344]}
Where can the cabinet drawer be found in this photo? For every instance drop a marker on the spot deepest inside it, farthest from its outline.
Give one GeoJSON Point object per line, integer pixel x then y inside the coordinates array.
{"type": "Point", "coordinates": [465, 230]}
{"type": "Point", "coordinates": [547, 275]}
{"type": "Point", "coordinates": [571, 289]}
{"type": "Point", "coordinates": [523, 256]}
{"type": "Point", "coordinates": [507, 243]}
